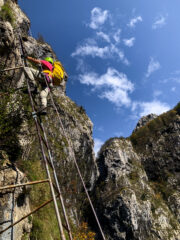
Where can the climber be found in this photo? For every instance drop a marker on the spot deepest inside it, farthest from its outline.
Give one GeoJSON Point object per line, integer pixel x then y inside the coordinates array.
{"type": "Point", "coordinates": [47, 66]}
{"type": "Point", "coordinates": [51, 71]}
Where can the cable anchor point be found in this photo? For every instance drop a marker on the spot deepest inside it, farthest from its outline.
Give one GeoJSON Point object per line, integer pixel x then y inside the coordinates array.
{"type": "Point", "coordinates": [34, 114]}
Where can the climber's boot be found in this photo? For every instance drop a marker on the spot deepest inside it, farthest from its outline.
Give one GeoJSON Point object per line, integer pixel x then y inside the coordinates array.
{"type": "Point", "coordinates": [42, 110]}
{"type": "Point", "coordinates": [33, 89]}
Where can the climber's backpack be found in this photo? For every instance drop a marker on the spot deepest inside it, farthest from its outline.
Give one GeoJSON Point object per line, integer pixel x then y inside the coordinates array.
{"type": "Point", "coordinates": [58, 73]}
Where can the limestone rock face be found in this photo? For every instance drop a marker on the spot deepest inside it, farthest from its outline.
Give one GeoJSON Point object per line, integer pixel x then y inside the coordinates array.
{"type": "Point", "coordinates": [6, 35]}
{"type": "Point", "coordinates": [78, 128]}
{"type": "Point", "coordinates": [144, 120]}
{"type": "Point", "coordinates": [137, 192]}
{"type": "Point", "coordinates": [37, 49]}
{"type": "Point", "coordinates": [14, 203]}
{"type": "Point", "coordinates": [22, 23]}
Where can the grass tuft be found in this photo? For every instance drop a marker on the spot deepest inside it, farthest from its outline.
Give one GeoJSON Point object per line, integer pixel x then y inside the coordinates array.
{"type": "Point", "coordinates": [6, 13]}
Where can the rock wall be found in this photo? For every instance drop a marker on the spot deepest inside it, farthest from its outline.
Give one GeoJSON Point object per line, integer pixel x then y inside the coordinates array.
{"type": "Point", "coordinates": [14, 203]}
{"type": "Point", "coordinates": [138, 187]}
{"type": "Point", "coordinates": [18, 137]}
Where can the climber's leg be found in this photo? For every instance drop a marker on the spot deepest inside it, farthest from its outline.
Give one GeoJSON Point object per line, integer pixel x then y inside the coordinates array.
{"type": "Point", "coordinates": [21, 81]}
{"type": "Point", "coordinates": [43, 96]}
{"type": "Point", "coordinates": [31, 74]}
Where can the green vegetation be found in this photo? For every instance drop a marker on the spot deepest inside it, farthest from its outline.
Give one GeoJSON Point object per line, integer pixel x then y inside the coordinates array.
{"type": "Point", "coordinates": [6, 13]}
{"type": "Point", "coordinates": [10, 122]}
{"type": "Point", "coordinates": [40, 38]}
{"type": "Point", "coordinates": [25, 236]}
{"type": "Point", "coordinates": [134, 176]}
{"type": "Point", "coordinates": [161, 187]}
{"type": "Point", "coordinates": [45, 224]}
{"type": "Point", "coordinates": [152, 130]}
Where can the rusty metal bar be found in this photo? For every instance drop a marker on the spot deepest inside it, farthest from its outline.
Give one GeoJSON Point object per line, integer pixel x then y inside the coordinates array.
{"type": "Point", "coordinates": [44, 141]}
{"type": "Point", "coordinates": [24, 184]}
{"type": "Point", "coordinates": [9, 69]}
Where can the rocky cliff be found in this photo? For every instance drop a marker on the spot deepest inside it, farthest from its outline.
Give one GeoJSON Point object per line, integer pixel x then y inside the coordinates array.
{"type": "Point", "coordinates": [134, 182]}
{"type": "Point", "coordinates": [19, 142]}
{"type": "Point", "coordinates": [137, 192]}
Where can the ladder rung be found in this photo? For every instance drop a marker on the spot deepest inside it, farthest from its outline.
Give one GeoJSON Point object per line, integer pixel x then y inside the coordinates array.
{"type": "Point", "coordinates": [9, 69]}
{"type": "Point", "coordinates": [24, 184]}
{"type": "Point", "coordinates": [21, 219]}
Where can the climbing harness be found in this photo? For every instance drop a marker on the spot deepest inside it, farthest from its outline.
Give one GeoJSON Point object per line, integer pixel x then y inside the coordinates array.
{"type": "Point", "coordinates": [48, 161]}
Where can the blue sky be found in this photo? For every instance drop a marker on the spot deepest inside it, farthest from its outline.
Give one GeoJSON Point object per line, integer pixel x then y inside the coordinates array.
{"type": "Point", "coordinates": [122, 56]}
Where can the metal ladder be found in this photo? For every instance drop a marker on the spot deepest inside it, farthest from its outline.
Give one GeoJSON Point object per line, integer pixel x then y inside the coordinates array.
{"type": "Point", "coordinates": [48, 162]}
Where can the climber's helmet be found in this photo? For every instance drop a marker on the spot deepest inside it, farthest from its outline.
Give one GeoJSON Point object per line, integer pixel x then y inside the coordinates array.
{"type": "Point", "coordinates": [49, 59]}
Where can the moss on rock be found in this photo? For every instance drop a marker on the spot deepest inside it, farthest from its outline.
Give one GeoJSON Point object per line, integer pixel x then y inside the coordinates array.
{"type": "Point", "coordinates": [6, 13]}
{"type": "Point", "coordinates": [152, 130]}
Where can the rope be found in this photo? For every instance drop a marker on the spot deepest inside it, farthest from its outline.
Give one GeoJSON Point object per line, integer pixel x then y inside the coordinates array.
{"type": "Point", "coordinates": [74, 158]}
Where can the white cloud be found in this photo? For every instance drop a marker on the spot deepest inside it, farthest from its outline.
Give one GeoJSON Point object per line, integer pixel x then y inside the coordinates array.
{"type": "Point", "coordinates": [98, 17]}
{"type": "Point", "coordinates": [101, 129]}
{"type": "Point", "coordinates": [145, 108]}
{"type": "Point", "coordinates": [159, 22]}
{"type": "Point", "coordinates": [133, 21]}
{"type": "Point", "coordinates": [175, 79]}
{"type": "Point", "coordinates": [94, 48]}
{"type": "Point", "coordinates": [90, 48]}
{"type": "Point", "coordinates": [104, 36]}
{"type": "Point", "coordinates": [97, 145]}
{"type": "Point", "coordinates": [153, 66]}
{"type": "Point", "coordinates": [171, 79]}
{"type": "Point", "coordinates": [113, 86]}
{"type": "Point", "coordinates": [177, 72]}
{"type": "Point", "coordinates": [129, 42]}
{"type": "Point", "coordinates": [116, 36]}
{"type": "Point", "coordinates": [157, 93]}
{"type": "Point", "coordinates": [173, 89]}
{"type": "Point", "coordinates": [81, 66]}
{"type": "Point", "coordinates": [119, 53]}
